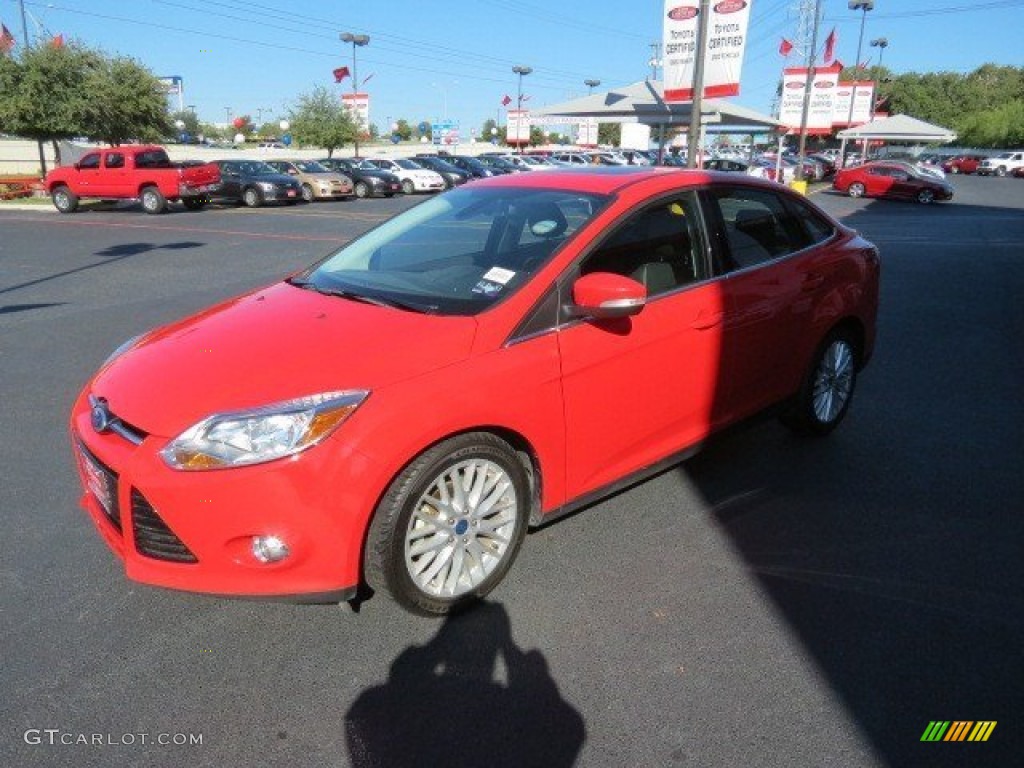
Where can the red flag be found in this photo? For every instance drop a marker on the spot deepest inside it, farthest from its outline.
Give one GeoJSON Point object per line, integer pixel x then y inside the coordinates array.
{"type": "Point", "coordinates": [830, 46]}
{"type": "Point", "coordinates": [340, 74]}
{"type": "Point", "coordinates": [785, 47]}
{"type": "Point", "coordinates": [6, 39]}
{"type": "Point", "coordinates": [506, 101]}
{"type": "Point", "coordinates": [57, 41]}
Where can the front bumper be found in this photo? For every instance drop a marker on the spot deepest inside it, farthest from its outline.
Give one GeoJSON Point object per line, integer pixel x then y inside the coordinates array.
{"type": "Point", "coordinates": [193, 531]}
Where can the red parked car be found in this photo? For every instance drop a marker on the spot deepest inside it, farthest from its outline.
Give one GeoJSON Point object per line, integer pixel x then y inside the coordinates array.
{"type": "Point", "coordinates": [891, 179]}
{"type": "Point", "coordinates": [401, 412]}
{"type": "Point", "coordinates": [962, 164]}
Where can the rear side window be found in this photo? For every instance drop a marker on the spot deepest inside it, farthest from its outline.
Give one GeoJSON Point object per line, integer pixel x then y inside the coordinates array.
{"type": "Point", "coordinates": [756, 226]}
{"type": "Point", "coordinates": [817, 227]}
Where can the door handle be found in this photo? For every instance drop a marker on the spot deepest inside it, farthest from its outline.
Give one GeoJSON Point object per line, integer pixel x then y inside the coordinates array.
{"type": "Point", "coordinates": [705, 320]}
{"type": "Point", "coordinates": [812, 281]}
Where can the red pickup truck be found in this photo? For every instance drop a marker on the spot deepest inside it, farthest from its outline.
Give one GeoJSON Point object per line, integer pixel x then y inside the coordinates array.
{"type": "Point", "coordinates": [134, 171]}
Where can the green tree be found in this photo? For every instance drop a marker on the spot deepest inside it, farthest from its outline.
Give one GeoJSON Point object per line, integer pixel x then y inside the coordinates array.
{"type": "Point", "coordinates": [124, 101]}
{"type": "Point", "coordinates": [320, 120]}
{"type": "Point", "coordinates": [404, 130]}
{"type": "Point", "coordinates": [49, 93]}
{"type": "Point", "coordinates": [188, 117]}
{"type": "Point", "coordinates": [609, 133]}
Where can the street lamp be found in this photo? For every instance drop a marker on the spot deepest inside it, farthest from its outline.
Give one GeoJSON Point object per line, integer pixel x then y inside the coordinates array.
{"type": "Point", "coordinates": [591, 84]}
{"type": "Point", "coordinates": [357, 41]}
{"type": "Point", "coordinates": [520, 70]}
{"type": "Point", "coordinates": [864, 6]}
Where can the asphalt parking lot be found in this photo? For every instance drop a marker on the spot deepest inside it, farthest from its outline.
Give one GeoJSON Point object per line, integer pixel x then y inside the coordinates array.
{"type": "Point", "coordinates": [771, 602]}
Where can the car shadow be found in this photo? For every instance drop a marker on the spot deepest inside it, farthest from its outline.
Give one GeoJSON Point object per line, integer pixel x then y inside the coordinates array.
{"type": "Point", "coordinates": [468, 697]}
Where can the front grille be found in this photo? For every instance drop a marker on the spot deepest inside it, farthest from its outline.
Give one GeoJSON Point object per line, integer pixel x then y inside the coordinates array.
{"type": "Point", "coordinates": [152, 536]}
{"type": "Point", "coordinates": [101, 482]}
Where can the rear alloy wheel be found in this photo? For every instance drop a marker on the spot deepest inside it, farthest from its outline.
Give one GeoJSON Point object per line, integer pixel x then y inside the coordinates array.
{"type": "Point", "coordinates": [252, 197]}
{"type": "Point", "coordinates": [362, 190]}
{"type": "Point", "coordinates": [450, 525]}
{"type": "Point", "coordinates": [828, 388]}
{"type": "Point", "coordinates": [925, 196]}
{"type": "Point", "coordinates": [307, 193]}
{"type": "Point", "coordinates": [408, 187]}
{"type": "Point", "coordinates": [856, 190]}
{"type": "Point", "coordinates": [64, 200]}
{"type": "Point", "coordinates": [153, 200]}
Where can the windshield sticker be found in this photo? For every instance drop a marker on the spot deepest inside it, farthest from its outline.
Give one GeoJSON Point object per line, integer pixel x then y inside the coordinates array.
{"type": "Point", "coordinates": [499, 275]}
{"type": "Point", "coordinates": [487, 288]}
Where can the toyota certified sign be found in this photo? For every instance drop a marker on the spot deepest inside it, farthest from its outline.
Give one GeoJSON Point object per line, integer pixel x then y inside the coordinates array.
{"type": "Point", "coordinates": [824, 84]}
{"type": "Point", "coordinates": [730, 6]}
{"type": "Point", "coordinates": [683, 13]}
{"type": "Point", "coordinates": [794, 84]}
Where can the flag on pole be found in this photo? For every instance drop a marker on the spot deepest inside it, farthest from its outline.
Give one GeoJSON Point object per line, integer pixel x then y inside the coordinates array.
{"type": "Point", "coordinates": [785, 47]}
{"type": "Point", "coordinates": [506, 101]}
{"type": "Point", "coordinates": [340, 74]}
{"type": "Point", "coordinates": [6, 39]}
{"type": "Point", "coordinates": [830, 46]}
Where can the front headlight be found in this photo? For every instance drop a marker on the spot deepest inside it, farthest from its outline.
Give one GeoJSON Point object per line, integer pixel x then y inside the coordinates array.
{"type": "Point", "coordinates": [262, 434]}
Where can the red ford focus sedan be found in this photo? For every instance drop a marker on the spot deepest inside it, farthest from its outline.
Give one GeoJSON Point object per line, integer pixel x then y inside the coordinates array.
{"type": "Point", "coordinates": [400, 413]}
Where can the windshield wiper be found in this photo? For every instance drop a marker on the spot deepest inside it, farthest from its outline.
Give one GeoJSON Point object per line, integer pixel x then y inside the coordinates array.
{"type": "Point", "coordinates": [360, 297]}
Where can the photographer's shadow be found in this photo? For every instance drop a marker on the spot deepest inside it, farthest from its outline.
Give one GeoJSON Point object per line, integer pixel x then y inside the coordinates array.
{"type": "Point", "coordinates": [469, 697]}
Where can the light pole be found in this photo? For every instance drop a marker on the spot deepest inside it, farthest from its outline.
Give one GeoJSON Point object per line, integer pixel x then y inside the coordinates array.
{"type": "Point", "coordinates": [227, 116]}
{"type": "Point", "coordinates": [865, 6]}
{"type": "Point", "coordinates": [520, 71]}
{"type": "Point", "coordinates": [591, 84]}
{"type": "Point", "coordinates": [357, 41]}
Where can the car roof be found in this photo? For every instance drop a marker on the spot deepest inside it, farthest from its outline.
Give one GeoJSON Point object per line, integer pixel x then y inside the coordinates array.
{"type": "Point", "coordinates": [607, 180]}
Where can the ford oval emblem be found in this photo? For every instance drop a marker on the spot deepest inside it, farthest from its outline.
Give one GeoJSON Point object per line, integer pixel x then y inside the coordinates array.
{"type": "Point", "coordinates": [683, 13]}
{"type": "Point", "coordinates": [824, 84]}
{"type": "Point", "coordinates": [100, 416]}
{"type": "Point", "coordinates": [730, 6]}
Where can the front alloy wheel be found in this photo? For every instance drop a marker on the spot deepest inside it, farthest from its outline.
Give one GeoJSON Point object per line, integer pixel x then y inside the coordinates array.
{"type": "Point", "coordinates": [925, 196]}
{"type": "Point", "coordinates": [856, 190]}
{"type": "Point", "coordinates": [450, 525]}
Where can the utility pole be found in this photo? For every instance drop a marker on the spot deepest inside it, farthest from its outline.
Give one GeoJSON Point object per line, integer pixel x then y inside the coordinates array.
{"type": "Point", "coordinates": [693, 136]}
{"type": "Point", "coordinates": [808, 85]}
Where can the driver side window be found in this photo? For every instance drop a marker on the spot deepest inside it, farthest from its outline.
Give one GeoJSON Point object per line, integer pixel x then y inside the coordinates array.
{"type": "Point", "coordinates": [658, 247]}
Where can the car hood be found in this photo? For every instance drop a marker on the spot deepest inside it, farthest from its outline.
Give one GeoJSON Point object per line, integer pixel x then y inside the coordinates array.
{"type": "Point", "coordinates": [275, 344]}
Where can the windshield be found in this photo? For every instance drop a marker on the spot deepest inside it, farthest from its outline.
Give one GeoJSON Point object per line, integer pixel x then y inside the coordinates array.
{"type": "Point", "coordinates": [311, 166]}
{"type": "Point", "coordinates": [457, 253]}
{"type": "Point", "coordinates": [364, 165]}
{"type": "Point", "coordinates": [409, 165]}
{"type": "Point", "coordinates": [256, 168]}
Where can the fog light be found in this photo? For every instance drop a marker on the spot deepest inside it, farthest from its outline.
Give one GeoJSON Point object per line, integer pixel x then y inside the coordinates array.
{"type": "Point", "coordinates": [269, 549]}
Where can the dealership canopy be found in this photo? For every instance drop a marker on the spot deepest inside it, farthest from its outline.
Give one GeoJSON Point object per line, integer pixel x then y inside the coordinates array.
{"type": "Point", "coordinates": [642, 102]}
{"type": "Point", "coordinates": [899, 128]}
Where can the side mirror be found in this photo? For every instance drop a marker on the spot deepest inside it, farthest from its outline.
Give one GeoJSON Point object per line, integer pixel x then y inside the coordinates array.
{"type": "Point", "coordinates": [605, 296]}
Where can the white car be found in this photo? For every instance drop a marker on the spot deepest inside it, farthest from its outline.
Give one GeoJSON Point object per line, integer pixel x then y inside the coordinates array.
{"type": "Point", "coordinates": [1002, 164]}
{"type": "Point", "coordinates": [415, 178]}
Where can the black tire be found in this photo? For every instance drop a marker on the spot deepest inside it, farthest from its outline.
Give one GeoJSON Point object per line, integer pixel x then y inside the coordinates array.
{"type": "Point", "coordinates": [194, 203]}
{"type": "Point", "coordinates": [408, 187]}
{"type": "Point", "coordinates": [832, 375]}
{"type": "Point", "coordinates": [64, 200]}
{"type": "Point", "coordinates": [362, 190]}
{"type": "Point", "coordinates": [458, 560]}
{"type": "Point", "coordinates": [856, 190]}
{"type": "Point", "coordinates": [252, 197]}
{"type": "Point", "coordinates": [307, 193]}
{"type": "Point", "coordinates": [153, 200]}
{"type": "Point", "coordinates": [1001, 170]}
{"type": "Point", "coordinates": [925, 197]}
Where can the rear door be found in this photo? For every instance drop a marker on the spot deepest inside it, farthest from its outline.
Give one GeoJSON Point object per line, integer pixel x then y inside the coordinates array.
{"type": "Point", "coordinates": [115, 178]}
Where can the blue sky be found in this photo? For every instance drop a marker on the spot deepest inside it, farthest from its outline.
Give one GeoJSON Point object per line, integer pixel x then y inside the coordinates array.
{"type": "Point", "coordinates": [431, 58]}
